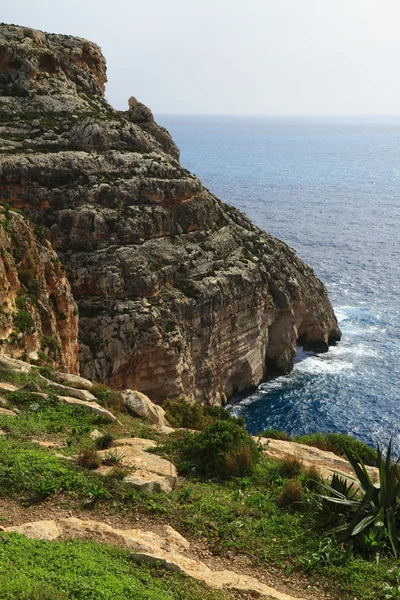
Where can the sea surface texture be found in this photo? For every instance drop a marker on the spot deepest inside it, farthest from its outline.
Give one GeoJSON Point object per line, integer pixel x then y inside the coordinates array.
{"type": "Point", "coordinates": [330, 188]}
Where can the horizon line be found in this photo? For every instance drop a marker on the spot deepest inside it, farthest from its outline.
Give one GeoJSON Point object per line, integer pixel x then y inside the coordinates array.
{"type": "Point", "coordinates": [282, 115]}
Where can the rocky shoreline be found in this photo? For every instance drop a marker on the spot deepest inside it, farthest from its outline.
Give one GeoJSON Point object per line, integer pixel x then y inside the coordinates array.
{"type": "Point", "coordinates": [178, 293]}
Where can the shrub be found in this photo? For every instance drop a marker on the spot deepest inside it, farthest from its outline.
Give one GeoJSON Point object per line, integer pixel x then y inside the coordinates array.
{"type": "Point", "coordinates": [89, 459]}
{"type": "Point", "coordinates": [224, 449]}
{"type": "Point", "coordinates": [181, 413]}
{"type": "Point", "coordinates": [104, 442]}
{"type": "Point", "coordinates": [274, 434]}
{"type": "Point", "coordinates": [110, 399]}
{"type": "Point", "coordinates": [23, 321]}
{"type": "Point", "coordinates": [312, 478]}
{"type": "Point", "coordinates": [27, 278]}
{"type": "Point", "coordinates": [374, 508]}
{"type": "Point", "coordinates": [291, 496]}
{"type": "Point", "coordinates": [113, 457]}
{"type": "Point", "coordinates": [340, 444]}
{"type": "Point", "coordinates": [290, 467]}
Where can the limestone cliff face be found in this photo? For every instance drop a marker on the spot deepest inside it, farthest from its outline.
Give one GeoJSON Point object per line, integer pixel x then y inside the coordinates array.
{"type": "Point", "coordinates": [177, 292]}
{"type": "Point", "coordinates": [38, 315]}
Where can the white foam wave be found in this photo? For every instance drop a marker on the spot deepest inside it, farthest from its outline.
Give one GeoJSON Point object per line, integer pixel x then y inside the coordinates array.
{"type": "Point", "coordinates": [315, 366]}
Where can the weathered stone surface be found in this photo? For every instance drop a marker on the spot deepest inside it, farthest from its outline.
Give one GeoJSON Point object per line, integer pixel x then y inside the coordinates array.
{"type": "Point", "coordinates": [75, 392]}
{"type": "Point", "coordinates": [95, 434]}
{"type": "Point", "coordinates": [139, 443]}
{"type": "Point", "coordinates": [135, 458]}
{"type": "Point", "coordinates": [168, 548]}
{"type": "Point", "coordinates": [142, 406]}
{"type": "Point", "coordinates": [38, 312]}
{"type": "Point", "coordinates": [7, 413]}
{"type": "Point", "coordinates": [151, 482]}
{"type": "Point", "coordinates": [13, 364]}
{"type": "Point", "coordinates": [8, 387]}
{"type": "Point", "coordinates": [92, 406]}
{"type": "Point", "coordinates": [177, 292]}
{"type": "Point", "coordinates": [327, 463]}
{"type": "Point", "coordinates": [76, 379]}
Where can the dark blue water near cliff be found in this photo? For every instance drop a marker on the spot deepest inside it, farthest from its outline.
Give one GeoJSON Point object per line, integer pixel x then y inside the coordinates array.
{"type": "Point", "coordinates": [331, 190]}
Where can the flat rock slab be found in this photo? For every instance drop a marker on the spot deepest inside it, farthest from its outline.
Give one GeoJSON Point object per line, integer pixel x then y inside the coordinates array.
{"type": "Point", "coordinates": [135, 458]}
{"type": "Point", "coordinates": [168, 548]}
{"type": "Point", "coordinates": [7, 413]}
{"type": "Point", "coordinates": [92, 406]}
{"type": "Point", "coordinates": [327, 463]}
{"type": "Point", "coordinates": [15, 365]}
{"type": "Point", "coordinates": [8, 387]}
{"type": "Point", "coordinates": [77, 379]}
{"type": "Point", "coordinates": [139, 443]}
{"type": "Point", "coordinates": [74, 392]}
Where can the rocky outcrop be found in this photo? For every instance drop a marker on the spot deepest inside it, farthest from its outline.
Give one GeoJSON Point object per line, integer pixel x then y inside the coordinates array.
{"type": "Point", "coordinates": [38, 315]}
{"type": "Point", "coordinates": [177, 292]}
{"type": "Point", "coordinates": [325, 462]}
{"type": "Point", "coordinates": [142, 406]}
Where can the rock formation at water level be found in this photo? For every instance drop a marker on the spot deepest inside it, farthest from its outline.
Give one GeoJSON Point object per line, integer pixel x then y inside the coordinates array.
{"type": "Point", "coordinates": [178, 293]}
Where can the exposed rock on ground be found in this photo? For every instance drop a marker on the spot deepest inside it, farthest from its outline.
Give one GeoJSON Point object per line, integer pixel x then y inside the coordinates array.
{"type": "Point", "coordinates": [147, 471]}
{"type": "Point", "coordinates": [142, 406]}
{"type": "Point", "coordinates": [327, 463]}
{"type": "Point", "coordinates": [168, 548]}
{"type": "Point", "coordinates": [177, 292]}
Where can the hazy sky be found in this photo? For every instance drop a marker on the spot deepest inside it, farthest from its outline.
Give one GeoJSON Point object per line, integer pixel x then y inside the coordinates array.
{"type": "Point", "coordinates": [292, 57]}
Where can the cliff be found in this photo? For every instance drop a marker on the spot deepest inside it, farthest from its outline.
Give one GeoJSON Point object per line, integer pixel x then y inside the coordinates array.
{"type": "Point", "coordinates": [38, 315]}
{"type": "Point", "coordinates": [177, 292]}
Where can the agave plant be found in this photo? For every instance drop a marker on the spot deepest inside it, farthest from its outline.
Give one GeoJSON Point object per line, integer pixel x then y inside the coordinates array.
{"type": "Point", "coordinates": [375, 506]}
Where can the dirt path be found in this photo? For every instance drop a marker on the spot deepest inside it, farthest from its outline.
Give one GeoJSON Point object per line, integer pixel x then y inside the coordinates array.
{"type": "Point", "coordinates": [295, 584]}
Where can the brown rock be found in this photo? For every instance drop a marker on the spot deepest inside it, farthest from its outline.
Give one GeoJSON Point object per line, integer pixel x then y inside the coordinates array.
{"type": "Point", "coordinates": [178, 293]}
{"type": "Point", "coordinates": [30, 269]}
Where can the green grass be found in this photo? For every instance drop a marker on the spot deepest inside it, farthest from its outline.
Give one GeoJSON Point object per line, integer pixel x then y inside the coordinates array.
{"type": "Point", "coordinates": [78, 570]}
{"type": "Point", "coordinates": [29, 470]}
{"type": "Point", "coordinates": [46, 416]}
{"type": "Point", "coordinates": [240, 514]}
{"type": "Point", "coordinates": [339, 443]}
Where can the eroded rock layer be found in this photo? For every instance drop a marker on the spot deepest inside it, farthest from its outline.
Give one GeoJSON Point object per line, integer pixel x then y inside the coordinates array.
{"type": "Point", "coordinates": [177, 292]}
{"type": "Point", "coordinates": [38, 315]}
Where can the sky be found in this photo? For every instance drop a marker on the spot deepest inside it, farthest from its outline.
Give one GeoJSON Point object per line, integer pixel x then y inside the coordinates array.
{"type": "Point", "coordinates": [250, 57]}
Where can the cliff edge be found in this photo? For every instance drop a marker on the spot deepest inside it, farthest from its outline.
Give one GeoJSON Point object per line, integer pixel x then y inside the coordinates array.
{"type": "Point", "coordinates": [178, 293]}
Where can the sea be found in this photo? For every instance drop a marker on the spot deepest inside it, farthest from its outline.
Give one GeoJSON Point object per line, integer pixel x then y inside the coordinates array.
{"type": "Point", "coordinates": [330, 188]}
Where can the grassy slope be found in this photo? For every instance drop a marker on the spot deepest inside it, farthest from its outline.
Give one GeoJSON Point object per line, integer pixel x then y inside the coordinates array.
{"type": "Point", "coordinates": [39, 570]}
{"type": "Point", "coordinates": [242, 515]}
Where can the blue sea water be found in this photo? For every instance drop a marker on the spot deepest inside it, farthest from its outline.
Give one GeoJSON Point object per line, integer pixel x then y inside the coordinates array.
{"type": "Point", "coordinates": [330, 188]}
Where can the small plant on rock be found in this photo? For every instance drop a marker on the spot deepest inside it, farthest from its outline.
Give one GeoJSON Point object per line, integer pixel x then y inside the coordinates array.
{"type": "Point", "coordinates": [112, 458]}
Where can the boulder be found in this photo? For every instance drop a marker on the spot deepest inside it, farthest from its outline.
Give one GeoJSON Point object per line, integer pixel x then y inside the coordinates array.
{"type": "Point", "coordinates": [142, 406]}
{"type": "Point", "coordinates": [151, 482]}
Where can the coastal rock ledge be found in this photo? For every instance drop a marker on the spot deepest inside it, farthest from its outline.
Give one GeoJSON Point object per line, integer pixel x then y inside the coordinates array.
{"type": "Point", "coordinates": [178, 293]}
